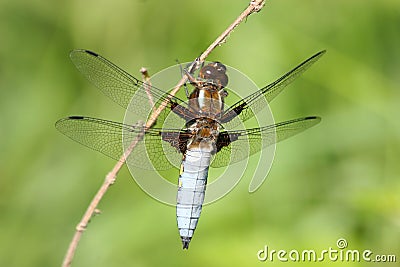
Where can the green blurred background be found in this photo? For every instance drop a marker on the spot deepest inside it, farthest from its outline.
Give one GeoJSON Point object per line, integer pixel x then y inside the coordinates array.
{"type": "Point", "coordinates": [339, 179]}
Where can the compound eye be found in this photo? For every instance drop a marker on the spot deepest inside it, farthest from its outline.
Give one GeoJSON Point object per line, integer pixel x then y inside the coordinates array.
{"type": "Point", "coordinates": [215, 71]}
{"type": "Point", "coordinates": [223, 79]}
{"type": "Point", "coordinates": [208, 72]}
{"type": "Point", "coordinates": [219, 67]}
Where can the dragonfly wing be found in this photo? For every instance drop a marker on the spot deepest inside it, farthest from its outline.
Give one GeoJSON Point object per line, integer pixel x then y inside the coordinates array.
{"type": "Point", "coordinates": [120, 86]}
{"type": "Point", "coordinates": [110, 138]}
{"type": "Point", "coordinates": [250, 105]}
{"type": "Point", "coordinates": [234, 146]}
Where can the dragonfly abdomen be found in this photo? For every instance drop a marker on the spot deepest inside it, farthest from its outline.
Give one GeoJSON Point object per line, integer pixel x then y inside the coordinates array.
{"type": "Point", "coordinates": [191, 191]}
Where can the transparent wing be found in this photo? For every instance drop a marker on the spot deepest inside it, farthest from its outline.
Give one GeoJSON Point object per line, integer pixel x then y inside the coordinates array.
{"type": "Point", "coordinates": [110, 138]}
{"type": "Point", "coordinates": [235, 146]}
{"type": "Point", "coordinates": [250, 105]}
{"type": "Point", "coordinates": [118, 85]}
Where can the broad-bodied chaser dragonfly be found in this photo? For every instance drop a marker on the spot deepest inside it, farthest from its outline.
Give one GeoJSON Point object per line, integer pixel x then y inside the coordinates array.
{"type": "Point", "coordinates": [207, 137]}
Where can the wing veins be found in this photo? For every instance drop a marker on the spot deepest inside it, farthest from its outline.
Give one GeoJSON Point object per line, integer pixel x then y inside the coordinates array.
{"type": "Point", "coordinates": [270, 91]}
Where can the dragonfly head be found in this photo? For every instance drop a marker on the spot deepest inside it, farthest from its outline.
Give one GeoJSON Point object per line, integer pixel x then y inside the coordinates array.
{"type": "Point", "coordinates": [216, 73]}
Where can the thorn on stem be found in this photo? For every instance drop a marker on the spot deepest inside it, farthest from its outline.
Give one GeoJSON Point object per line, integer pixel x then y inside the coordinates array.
{"type": "Point", "coordinates": [110, 178]}
{"type": "Point", "coordinates": [81, 227]}
{"type": "Point", "coordinates": [97, 211]}
{"type": "Point", "coordinates": [144, 72]}
{"type": "Point", "coordinates": [257, 4]}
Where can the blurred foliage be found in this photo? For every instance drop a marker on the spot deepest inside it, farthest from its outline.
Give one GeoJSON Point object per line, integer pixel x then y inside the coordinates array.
{"type": "Point", "coordinates": [339, 179]}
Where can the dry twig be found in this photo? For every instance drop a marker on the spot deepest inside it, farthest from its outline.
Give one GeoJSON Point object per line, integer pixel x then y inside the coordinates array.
{"type": "Point", "coordinates": [254, 6]}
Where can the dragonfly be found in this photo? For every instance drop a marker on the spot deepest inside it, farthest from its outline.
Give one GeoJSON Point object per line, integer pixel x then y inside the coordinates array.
{"type": "Point", "coordinates": [207, 139]}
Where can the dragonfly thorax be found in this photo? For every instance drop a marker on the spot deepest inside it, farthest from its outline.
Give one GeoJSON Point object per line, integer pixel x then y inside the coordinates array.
{"type": "Point", "coordinates": [204, 133]}
{"type": "Point", "coordinates": [207, 101]}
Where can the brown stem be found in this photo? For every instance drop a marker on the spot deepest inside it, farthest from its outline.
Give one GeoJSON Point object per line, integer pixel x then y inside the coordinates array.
{"type": "Point", "coordinates": [254, 6]}
{"type": "Point", "coordinates": [147, 85]}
